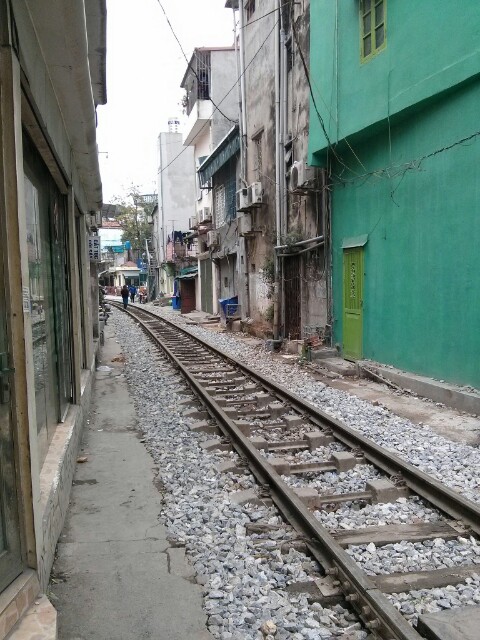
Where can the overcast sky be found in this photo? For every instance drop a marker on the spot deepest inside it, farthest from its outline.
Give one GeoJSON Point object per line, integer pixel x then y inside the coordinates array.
{"type": "Point", "coordinates": [144, 69]}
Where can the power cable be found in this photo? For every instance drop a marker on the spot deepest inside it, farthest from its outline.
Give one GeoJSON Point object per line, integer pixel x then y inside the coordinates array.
{"type": "Point", "coordinates": [320, 119]}
{"type": "Point", "coordinates": [224, 97]}
{"type": "Point", "coordinates": [265, 15]}
{"type": "Point", "coordinates": [188, 61]}
{"type": "Point", "coordinates": [395, 171]}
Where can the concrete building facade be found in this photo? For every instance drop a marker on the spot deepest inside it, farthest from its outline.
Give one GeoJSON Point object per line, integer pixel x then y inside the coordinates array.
{"type": "Point", "coordinates": [400, 136]}
{"type": "Point", "coordinates": [52, 68]}
{"type": "Point", "coordinates": [211, 105]}
{"type": "Point", "coordinates": [284, 207]}
{"type": "Point", "coordinates": [176, 203]}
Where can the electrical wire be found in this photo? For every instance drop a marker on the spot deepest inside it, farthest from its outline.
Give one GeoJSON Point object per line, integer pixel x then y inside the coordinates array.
{"type": "Point", "coordinates": [265, 15]}
{"type": "Point", "coordinates": [395, 171]}
{"type": "Point", "coordinates": [320, 119]}
{"type": "Point", "coordinates": [188, 61]}
{"type": "Point", "coordinates": [224, 97]}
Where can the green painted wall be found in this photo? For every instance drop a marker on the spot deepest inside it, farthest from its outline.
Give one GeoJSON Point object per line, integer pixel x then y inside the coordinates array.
{"type": "Point", "coordinates": [418, 96]}
{"type": "Point", "coordinates": [422, 274]}
{"type": "Point", "coordinates": [432, 45]}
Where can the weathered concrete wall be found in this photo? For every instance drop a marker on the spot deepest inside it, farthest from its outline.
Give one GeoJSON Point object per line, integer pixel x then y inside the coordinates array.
{"type": "Point", "coordinates": [176, 186]}
{"type": "Point", "coordinates": [56, 480]}
{"type": "Point", "coordinates": [223, 78]}
{"type": "Point", "coordinates": [260, 111]}
{"type": "Point", "coordinates": [305, 217]}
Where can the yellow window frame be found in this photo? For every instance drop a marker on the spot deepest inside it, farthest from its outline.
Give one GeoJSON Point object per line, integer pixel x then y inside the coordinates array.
{"type": "Point", "coordinates": [368, 13]}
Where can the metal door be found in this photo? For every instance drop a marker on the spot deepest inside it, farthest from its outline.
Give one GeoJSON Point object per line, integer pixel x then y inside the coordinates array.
{"type": "Point", "coordinates": [206, 286]}
{"type": "Point", "coordinates": [353, 303]}
{"type": "Point", "coordinates": [10, 558]}
{"type": "Point", "coordinates": [187, 295]}
{"type": "Point", "coordinates": [292, 291]}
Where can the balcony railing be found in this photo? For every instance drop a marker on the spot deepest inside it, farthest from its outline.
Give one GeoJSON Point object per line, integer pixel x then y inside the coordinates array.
{"type": "Point", "coordinates": [177, 251]}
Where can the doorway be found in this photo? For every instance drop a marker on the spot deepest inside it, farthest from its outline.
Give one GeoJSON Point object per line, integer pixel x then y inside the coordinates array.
{"type": "Point", "coordinates": [187, 295]}
{"type": "Point", "coordinates": [292, 297]}
{"type": "Point", "coordinates": [353, 303]}
{"type": "Point", "coordinates": [10, 554]}
{"type": "Point", "coordinates": [206, 286]}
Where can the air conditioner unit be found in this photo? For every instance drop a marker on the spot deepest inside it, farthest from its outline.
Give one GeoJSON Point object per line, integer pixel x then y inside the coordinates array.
{"type": "Point", "coordinates": [243, 202]}
{"type": "Point", "coordinates": [192, 222]}
{"type": "Point", "coordinates": [255, 192]}
{"type": "Point", "coordinates": [244, 224]}
{"type": "Point", "coordinates": [301, 175]}
{"type": "Point", "coordinates": [205, 215]}
{"type": "Point", "coordinates": [212, 239]}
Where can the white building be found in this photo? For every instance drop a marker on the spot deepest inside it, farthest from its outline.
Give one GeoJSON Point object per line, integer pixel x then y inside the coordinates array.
{"type": "Point", "coordinates": [176, 199]}
{"type": "Point", "coordinates": [211, 103]}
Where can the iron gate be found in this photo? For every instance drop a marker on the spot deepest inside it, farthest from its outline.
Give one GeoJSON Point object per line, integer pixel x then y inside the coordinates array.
{"type": "Point", "coordinates": [292, 297]}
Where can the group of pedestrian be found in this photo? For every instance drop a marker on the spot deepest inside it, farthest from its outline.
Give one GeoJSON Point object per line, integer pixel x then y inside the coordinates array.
{"type": "Point", "coordinates": [128, 292]}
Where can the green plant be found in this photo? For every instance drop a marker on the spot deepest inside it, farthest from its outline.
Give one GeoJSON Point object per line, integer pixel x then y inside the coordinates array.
{"type": "Point", "coordinates": [268, 275]}
{"type": "Point", "coordinates": [291, 239]}
{"type": "Point", "coordinates": [268, 314]}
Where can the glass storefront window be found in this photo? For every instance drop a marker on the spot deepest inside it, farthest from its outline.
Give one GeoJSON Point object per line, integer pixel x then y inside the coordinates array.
{"type": "Point", "coordinates": [50, 296]}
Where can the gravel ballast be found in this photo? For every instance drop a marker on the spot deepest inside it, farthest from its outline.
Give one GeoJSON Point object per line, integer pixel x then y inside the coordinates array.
{"type": "Point", "coordinates": [453, 463]}
{"type": "Point", "coordinates": [245, 576]}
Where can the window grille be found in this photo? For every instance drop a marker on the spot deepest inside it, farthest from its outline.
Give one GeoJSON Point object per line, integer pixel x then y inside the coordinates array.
{"type": "Point", "coordinates": [220, 211]}
{"type": "Point", "coordinates": [258, 157]}
{"type": "Point", "coordinates": [197, 84]}
{"type": "Point", "coordinates": [224, 197]}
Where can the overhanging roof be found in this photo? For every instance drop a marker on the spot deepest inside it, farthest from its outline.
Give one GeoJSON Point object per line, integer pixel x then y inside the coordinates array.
{"type": "Point", "coordinates": [225, 150]}
{"type": "Point", "coordinates": [72, 37]}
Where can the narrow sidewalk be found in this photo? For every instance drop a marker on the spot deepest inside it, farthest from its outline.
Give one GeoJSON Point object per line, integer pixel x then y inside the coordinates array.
{"type": "Point", "coordinates": [116, 576]}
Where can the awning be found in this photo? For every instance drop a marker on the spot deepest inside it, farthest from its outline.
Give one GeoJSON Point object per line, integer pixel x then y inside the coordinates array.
{"type": "Point", "coordinates": [225, 150]}
{"type": "Point", "coordinates": [188, 276]}
{"type": "Point", "coordinates": [187, 273]}
{"type": "Point", "coordinates": [357, 241]}
{"type": "Point", "coordinates": [188, 270]}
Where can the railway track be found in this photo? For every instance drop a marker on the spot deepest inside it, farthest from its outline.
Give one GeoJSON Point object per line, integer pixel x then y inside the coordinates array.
{"type": "Point", "coordinates": [291, 447]}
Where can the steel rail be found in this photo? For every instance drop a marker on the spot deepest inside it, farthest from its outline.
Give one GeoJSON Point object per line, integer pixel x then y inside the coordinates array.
{"type": "Point", "coordinates": [373, 608]}
{"type": "Point", "coordinates": [421, 483]}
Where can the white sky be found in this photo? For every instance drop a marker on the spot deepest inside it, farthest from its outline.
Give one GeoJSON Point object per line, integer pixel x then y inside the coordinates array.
{"type": "Point", "coordinates": [144, 69]}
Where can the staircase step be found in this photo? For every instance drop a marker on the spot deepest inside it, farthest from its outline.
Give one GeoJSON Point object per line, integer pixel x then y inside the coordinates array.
{"type": "Point", "coordinates": [16, 599]}
{"type": "Point", "coordinates": [38, 623]}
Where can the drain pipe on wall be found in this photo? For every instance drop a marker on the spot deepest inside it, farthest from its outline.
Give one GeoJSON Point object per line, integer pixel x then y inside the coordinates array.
{"type": "Point", "coordinates": [283, 140]}
{"type": "Point", "coordinates": [242, 262]}
{"type": "Point", "coordinates": [243, 110]}
{"type": "Point", "coordinates": [284, 123]}
{"type": "Point", "coordinates": [278, 194]}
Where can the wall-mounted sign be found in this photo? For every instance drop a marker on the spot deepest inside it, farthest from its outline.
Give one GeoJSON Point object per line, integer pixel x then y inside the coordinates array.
{"type": "Point", "coordinates": [26, 299]}
{"type": "Point", "coordinates": [94, 248]}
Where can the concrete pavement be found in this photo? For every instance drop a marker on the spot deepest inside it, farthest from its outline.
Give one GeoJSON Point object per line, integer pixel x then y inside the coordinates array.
{"type": "Point", "coordinates": [116, 576]}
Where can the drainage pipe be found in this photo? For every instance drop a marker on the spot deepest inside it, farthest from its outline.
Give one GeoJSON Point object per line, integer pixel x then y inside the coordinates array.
{"type": "Point", "coordinates": [300, 243]}
{"type": "Point", "coordinates": [297, 253]}
{"type": "Point", "coordinates": [278, 195]}
{"type": "Point", "coordinates": [243, 94]}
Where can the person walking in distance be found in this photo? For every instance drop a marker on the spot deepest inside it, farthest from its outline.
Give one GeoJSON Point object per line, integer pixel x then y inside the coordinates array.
{"type": "Point", "coordinates": [133, 291]}
{"type": "Point", "coordinates": [124, 293]}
